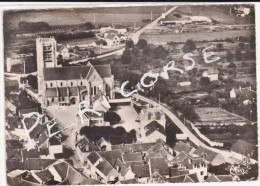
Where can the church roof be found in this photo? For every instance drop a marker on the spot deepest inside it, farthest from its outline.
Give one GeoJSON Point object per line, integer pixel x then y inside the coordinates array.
{"type": "Point", "coordinates": [74, 72]}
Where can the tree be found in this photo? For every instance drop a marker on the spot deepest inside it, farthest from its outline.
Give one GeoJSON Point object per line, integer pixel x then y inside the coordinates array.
{"type": "Point", "coordinates": [219, 46]}
{"type": "Point", "coordinates": [129, 44]}
{"type": "Point", "coordinates": [32, 81]}
{"type": "Point", "coordinates": [232, 65]}
{"type": "Point", "coordinates": [142, 43]}
{"type": "Point", "coordinates": [204, 81]}
{"type": "Point", "coordinates": [238, 55]}
{"type": "Point", "coordinates": [189, 46]}
{"type": "Point", "coordinates": [112, 117]}
{"type": "Point", "coordinates": [229, 56]}
{"type": "Point", "coordinates": [89, 25]}
{"type": "Point", "coordinates": [126, 58]}
{"type": "Point", "coordinates": [160, 52]}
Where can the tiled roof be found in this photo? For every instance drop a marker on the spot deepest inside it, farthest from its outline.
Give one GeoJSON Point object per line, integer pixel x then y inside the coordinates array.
{"type": "Point", "coordinates": [93, 157]}
{"type": "Point", "coordinates": [106, 168]}
{"type": "Point", "coordinates": [180, 179]}
{"type": "Point", "coordinates": [82, 88]}
{"type": "Point", "coordinates": [63, 91]}
{"type": "Point", "coordinates": [131, 181]}
{"type": "Point", "coordinates": [133, 163]}
{"type": "Point", "coordinates": [111, 156]}
{"type": "Point", "coordinates": [44, 175]}
{"type": "Point", "coordinates": [86, 145]}
{"type": "Point", "coordinates": [103, 70]}
{"type": "Point", "coordinates": [225, 178]}
{"type": "Point", "coordinates": [132, 157]}
{"type": "Point", "coordinates": [28, 110]}
{"type": "Point", "coordinates": [110, 36]}
{"type": "Point", "coordinates": [66, 73]}
{"type": "Point", "coordinates": [212, 178]}
{"type": "Point", "coordinates": [183, 147]}
{"type": "Point", "coordinates": [160, 165]}
{"type": "Point", "coordinates": [123, 169]}
{"type": "Point", "coordinates": [212, 71]}
{"type": "Point", "coordinates": [178, 172]}
{"type": "Point", "coordinates": [33, 153]}
{"type": "Point", "coordinates": [141, 170]}
{"type": "Point", "coordinates": [54, 141]}
{"type": "Point", "coordinates": [135, 147]}
{"type": "Point", "coordinates": [242, 147]}
{"type": "Point", "coordinates": [208, 154]}
{"type": "Point", "coordinates": [154, 126]}
{"type": "Point", "coordinates": [51, 92]}
{"type": "Point", "coordinates": [38, 163]}
{"type": "Point", "coordinates": [179, 158]}
{"type": "Point", "coordinates": [62, 169]}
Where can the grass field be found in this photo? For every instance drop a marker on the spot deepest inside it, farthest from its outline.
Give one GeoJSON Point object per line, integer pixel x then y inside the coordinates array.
{"type": "Point", "coordinates": [215, 115]}
{"type": "Point", "coordinates": [71, 16]}
{"type": "Point", "coordinates": [164, 38]}
{"type": "Point", "coordinates": [220, 13]}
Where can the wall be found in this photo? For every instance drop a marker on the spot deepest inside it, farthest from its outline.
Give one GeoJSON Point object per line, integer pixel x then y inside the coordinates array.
{"type": "Point", "coordinates": [211, 143]}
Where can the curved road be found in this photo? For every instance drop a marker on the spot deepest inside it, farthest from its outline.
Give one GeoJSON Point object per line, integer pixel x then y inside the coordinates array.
{"type": "Point", "coordinates": [185, 130]}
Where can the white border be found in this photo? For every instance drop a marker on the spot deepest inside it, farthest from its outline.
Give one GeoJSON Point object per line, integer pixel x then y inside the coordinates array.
{"type": "Point", "coordinates": [53, 5]}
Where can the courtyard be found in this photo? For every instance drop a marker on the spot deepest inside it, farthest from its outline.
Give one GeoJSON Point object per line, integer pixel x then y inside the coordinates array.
{"type": "Point", "coordinates": [128, 118]}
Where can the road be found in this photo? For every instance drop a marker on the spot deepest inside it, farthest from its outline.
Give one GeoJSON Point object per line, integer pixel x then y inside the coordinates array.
{"type": "Point", "coordinates": [136, 35]}
{"type": "Point", "coordinates": [226, 154]}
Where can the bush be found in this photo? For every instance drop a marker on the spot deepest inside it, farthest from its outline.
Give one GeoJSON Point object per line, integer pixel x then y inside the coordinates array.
{"type": "Point", "coordinates": [112, 117]}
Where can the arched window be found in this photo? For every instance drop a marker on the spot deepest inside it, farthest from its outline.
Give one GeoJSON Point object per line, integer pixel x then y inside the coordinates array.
{"type": "Point", "coordinates": [81, 83]}
{"type": "Point", "coordinates": [61, 84]}
{"type": "Point", "coordinates": [71, 83]}
{"type": "Point", "coordinates": [51, 84]}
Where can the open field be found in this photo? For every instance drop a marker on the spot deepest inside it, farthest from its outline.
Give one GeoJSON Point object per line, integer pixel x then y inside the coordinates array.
{"type": "Point", "coordinates": [220, 13]}
{"type": "Point", "coordinates": [214, 115]}
{"type": "Point", "coordinates": [118, 15]}
{"type": "Point", "coordinates": [164, 38]}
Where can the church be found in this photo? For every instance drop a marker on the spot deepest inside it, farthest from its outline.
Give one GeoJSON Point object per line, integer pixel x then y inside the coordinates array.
{"type": "Point", "coordinates": [69, 85]}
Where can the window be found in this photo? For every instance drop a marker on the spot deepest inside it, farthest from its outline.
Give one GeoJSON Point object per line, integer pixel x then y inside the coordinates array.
{"type": "Point", "coordinates": [81, 83]}
{"type": "Point", "coordinates": [51, 84]}
{"type": "Point", "coordinates": [71, 83]}
{"type": "Point", "coordinates": [52, 99]}
{"type": "Point", "coordinates": [61, 84]}
{"type": "Point", "coordinates": [202, 173]}
{"type": "Point", "coordinates": [83, 97]}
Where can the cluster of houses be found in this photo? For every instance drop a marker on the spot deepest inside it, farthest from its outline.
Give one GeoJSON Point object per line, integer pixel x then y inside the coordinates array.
{"type": "Point", "coordinates": [152, 162]}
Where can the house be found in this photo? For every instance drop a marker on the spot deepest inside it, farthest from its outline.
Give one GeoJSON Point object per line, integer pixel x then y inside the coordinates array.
{"type": "Point", "coordinates": [84, 147]}
{"type": "Point", "coordinates": [219, 178]}
{"type": "Point", "coordinates": [159, 165]}
{"type": "Point", "coordinates": [55, 146]}
{"type": "Point", "coordinates": [112, 40]}
{"type": "Point", "coordinates": [212, 74]}
{"type": "Point", "coordinates": [183, 84]}
{"type": "Point", "coordinates": [194, 165]}
{"type": "Point", "coordinates": [183, 179]}
{"type": "Point", "coordinates": [104, 144]}
{"type": "Point", "coordinates": [13, 59]}
{"type": "Point", "coordinates": [59, 172]}
{"type": "Point", "coordinates": [153, 131]}
{"type": "Point", "coordinates": [120, 29]}
{"type": "Point", "coordinates": [101, 168]}
{"type": "Point", "coordinates": [183, 147]}
{"type": "Point", "coordinates": [105, 29]}
{"type": "Point", "coordinates": [246, 93]}
{"type": "Point", "coordinates": [152, 125]}
{"type": "Point", "coordinates": [242, 151]}
{"type": "Point", "coordinates": [160, 150]}
{"type": "Point", "coordinates": [125, 172]}
{"type": "Point", "coordinates": [209, 156]}
{"type": "Point", "coordinates": [63, 50]}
